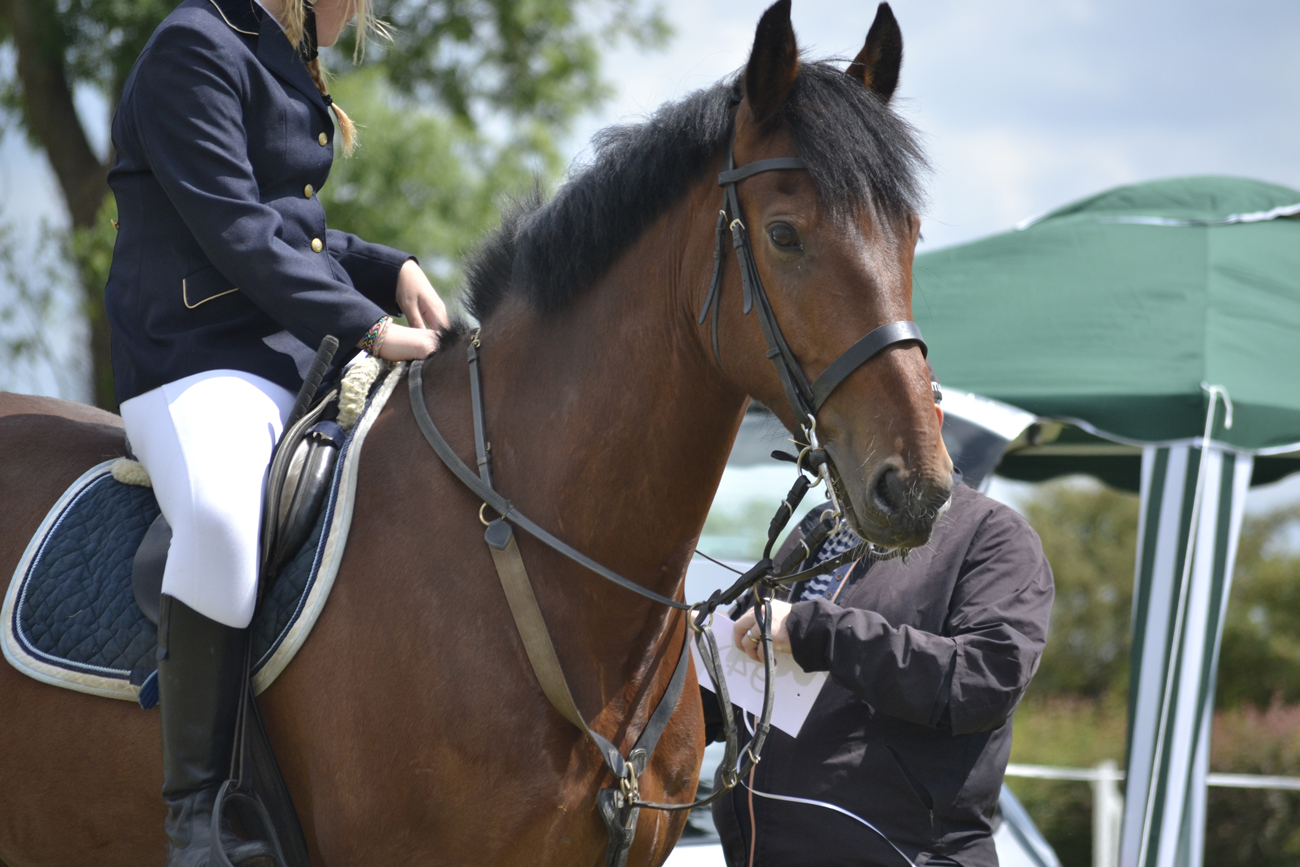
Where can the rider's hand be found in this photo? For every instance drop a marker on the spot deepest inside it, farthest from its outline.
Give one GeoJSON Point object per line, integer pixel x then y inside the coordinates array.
{"type": "Point", "coordinates": [407, 344]}
{"type": "Point", "coordinates": [418, 300]}
{"type": "Point", "coordinates": [745, 633]}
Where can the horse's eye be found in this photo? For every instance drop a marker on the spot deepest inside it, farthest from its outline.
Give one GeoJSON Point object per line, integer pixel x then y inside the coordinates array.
{"type": "Point", "coordinates": [784, 236]}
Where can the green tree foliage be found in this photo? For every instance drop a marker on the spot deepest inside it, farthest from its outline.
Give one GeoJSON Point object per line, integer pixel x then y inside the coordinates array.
{"type": "Point", "coordinates": [1075, 712]}
{"type": "Point", "coordinates": [1260, 658]}
{"type": "Point", "coordinates": [498, 83]}
{"type": "Point", "coordinates": [28, 358]}
{"type": "Point", "coordinates": [1250, 827]}
{"type": "Point", "coordinates": [1089, 535]}
{"type": "Point", "coordinates": [422, 181]}
{"type": "Point", "coordinates": [1244, 827]}
{"type": "Point", "coordinates": [536, 60]}
{"type": "Point", "coordinates": [1070, 731]}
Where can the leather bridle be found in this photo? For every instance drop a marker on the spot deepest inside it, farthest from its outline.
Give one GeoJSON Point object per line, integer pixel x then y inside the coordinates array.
{"type": "Point", "coordinates": [619, 805]}
{"type": "Point", "coordinates": [805, 398]}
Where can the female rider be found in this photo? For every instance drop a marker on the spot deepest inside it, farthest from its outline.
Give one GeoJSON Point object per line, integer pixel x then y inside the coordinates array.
{"type": "Point", "coordinates": [224, 281]}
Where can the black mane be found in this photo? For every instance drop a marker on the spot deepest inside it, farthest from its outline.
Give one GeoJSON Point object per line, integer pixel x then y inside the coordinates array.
{"type": "Point", "coordinates": [859, 152]}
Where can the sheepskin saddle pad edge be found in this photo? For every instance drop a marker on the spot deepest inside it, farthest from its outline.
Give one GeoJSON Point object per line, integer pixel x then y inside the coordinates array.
{"type": "Point", "coordinates": [70, 618]}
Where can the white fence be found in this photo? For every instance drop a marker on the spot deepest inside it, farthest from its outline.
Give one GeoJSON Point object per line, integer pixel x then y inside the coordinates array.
{"type": "Point", "coordinates": [1108, 801]}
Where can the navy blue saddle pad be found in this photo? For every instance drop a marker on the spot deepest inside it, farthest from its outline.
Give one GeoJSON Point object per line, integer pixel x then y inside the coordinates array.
{"type": "Point", "coordinates": [70, 617]}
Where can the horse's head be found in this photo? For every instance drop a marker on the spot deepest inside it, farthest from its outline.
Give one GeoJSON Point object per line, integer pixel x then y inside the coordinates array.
{"type": "Point", "coordinates": [833, 243]}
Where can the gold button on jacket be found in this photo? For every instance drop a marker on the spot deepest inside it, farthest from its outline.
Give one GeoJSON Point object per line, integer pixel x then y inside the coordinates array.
{"type": "Point", "coordinates": [316, 245]}
{"type": "Point", "coordinates": [323, 139]}
{"type": "Point", "coordinates": [308, 190]}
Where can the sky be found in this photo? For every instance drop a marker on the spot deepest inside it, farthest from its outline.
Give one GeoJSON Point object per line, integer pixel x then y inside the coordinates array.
{"type": "Point", "coordinates": [1023, 105]}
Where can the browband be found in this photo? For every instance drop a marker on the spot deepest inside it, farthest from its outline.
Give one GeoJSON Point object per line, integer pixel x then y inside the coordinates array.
{"type": "Point", "coordinates": [775, 164]}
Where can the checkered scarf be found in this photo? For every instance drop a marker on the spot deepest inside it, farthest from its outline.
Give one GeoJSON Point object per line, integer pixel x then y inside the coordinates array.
{"type": "Point", "coordinates": [836, 544]}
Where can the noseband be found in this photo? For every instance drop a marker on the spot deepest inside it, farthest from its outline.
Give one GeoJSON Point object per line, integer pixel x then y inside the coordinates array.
{"type": "Point", "coordinates": [805, 398]}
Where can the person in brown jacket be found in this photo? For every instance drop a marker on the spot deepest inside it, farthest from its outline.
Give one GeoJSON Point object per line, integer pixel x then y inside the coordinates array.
{"type": "Point", "coordinates": [928, 658]}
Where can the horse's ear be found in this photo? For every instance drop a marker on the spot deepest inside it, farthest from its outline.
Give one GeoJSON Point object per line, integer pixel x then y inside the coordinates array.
{"type": "Point", "coordinates": [877, 64]}
{"type": "Point", "coordinates": [773, 63]}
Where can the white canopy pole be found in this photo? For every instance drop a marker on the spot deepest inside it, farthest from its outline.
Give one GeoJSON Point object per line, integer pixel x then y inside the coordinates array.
{"type": "Point", "coordinates": [1192, 506]}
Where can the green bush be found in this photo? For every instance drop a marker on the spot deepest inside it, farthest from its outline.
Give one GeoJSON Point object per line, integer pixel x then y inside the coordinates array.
{"type": "Point", "coordinates": [1260, 657]}
{"type": "Point", "coordinates": [1255, 827]}
{"type": "Point", "coordinates": [1089, 535]}
{"type": "Point", "coordinates": [1066, 731]}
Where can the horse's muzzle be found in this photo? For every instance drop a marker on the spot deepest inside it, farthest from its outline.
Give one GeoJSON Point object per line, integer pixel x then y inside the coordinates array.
{"type": "Point", "coordinates": [896, 507]}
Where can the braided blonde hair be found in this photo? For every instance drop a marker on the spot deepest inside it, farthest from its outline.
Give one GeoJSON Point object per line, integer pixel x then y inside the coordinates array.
{"type": "Point", "coordinates": [294, 21]}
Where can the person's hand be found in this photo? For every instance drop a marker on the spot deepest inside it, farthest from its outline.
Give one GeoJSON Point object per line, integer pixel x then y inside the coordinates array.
{"type": "Point", "coordinates": [745, 634]}
{"type": "Point", "coordinates": [418, 300]}
{"type": "Point", "coordinates": [401, 343]}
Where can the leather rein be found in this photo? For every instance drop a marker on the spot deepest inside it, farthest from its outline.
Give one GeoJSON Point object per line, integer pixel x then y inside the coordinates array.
{"type": "Point", "coordinates": [620, 805]}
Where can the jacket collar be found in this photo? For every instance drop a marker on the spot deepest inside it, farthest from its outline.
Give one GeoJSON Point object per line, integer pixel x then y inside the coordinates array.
{"type": "Point", "coordinates": [273, 49]}
{"type": "Point", "coordinates": [277, 55]}
{"type": "Point", "coordinates": [241, 16]}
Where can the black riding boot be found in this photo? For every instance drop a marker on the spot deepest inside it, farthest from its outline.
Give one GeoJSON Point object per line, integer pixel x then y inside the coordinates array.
{"type": "Point", "coordinates": [200, 667]}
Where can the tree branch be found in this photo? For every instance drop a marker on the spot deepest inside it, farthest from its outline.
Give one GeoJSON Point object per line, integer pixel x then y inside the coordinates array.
{"type": "Point", "coordinates": [48, 108]}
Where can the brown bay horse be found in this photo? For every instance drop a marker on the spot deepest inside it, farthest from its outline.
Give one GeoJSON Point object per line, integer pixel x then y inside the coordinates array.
{"type": "Point", "coordinates": [410, 728]}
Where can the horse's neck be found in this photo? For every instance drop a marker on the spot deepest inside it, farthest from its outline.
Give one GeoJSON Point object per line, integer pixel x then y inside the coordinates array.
{"type": "Point", "coordinates": [610, 427]}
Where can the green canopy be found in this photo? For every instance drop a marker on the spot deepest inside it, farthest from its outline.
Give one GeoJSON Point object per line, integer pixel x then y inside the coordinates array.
{"type": "Point", "coordinates": [1115, 309]}
{"type": "Point", "coordinates": [1135, 315]}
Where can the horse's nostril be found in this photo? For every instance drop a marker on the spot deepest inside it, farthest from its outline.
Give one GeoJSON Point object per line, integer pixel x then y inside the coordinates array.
{"type": "Point", "coordinates": [881, 493]}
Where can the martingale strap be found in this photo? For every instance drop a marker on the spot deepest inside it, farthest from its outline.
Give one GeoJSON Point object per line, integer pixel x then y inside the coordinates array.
{"type": "Point", "coordinates": [620, 805]}
{"type": "Point", "coordinates": [504, 507]}
{"type": "Point", "coordinates": [481, 446]}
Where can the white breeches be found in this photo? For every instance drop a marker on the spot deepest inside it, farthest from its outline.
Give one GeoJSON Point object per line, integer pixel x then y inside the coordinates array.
{"type": "Point", "coordinates": [206, 441]}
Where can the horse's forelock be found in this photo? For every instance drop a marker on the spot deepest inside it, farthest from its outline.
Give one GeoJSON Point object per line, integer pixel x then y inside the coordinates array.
{"type": "Point", "coordinates": [860, 153]}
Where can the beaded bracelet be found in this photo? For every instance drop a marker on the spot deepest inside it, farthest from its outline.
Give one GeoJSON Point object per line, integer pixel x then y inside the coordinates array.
{"type": "Point", "coordinates": [375, 336]}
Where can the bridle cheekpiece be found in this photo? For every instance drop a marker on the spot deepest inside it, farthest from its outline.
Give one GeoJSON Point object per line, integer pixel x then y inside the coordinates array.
{"type": "Point", "coordinates": [806, 399]}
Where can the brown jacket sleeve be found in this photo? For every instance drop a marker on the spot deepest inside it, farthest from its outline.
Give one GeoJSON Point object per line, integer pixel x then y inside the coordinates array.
{"type": "Point", "coordinates": [967, 676]}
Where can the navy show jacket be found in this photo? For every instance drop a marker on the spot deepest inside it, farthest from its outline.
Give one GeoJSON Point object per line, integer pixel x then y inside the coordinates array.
{"type": "Point", "coordinates": [223, 259]}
